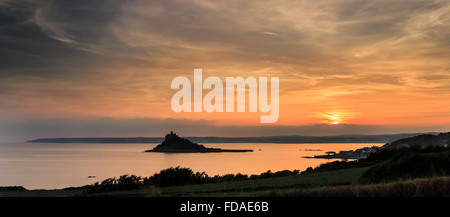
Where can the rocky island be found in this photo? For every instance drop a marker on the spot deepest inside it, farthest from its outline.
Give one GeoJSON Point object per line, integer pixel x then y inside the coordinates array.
{"type": "Point", "coordinates": [175, 144]}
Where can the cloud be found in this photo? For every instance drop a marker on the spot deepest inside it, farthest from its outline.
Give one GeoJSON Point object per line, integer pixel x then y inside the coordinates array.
{"type": "Point", "coordinates": [270, 33]}
{"type": "Point", "coordinates": [307, 33]}
{"type": "Point", "coordinates": [57, 35]}
{"type": "Point", "coordinates": [163, 32]}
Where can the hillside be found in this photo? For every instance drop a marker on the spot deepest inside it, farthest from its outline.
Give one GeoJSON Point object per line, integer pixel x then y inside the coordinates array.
{"type": "Point", "coordinates": [441, 139]}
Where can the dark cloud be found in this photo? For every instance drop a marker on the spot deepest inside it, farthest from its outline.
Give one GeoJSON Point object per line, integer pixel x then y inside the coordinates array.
{"type": "Point", "coordinates": [98, 34]}
{"type": "Point", "coordinates": [22, 43]}
{"type": "Point", "coordinates": [56, 34]}
{"type": "Point", "coordinates": [438, 77]}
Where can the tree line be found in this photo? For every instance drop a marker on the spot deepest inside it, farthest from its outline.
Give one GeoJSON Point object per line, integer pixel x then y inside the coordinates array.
{"type": "Point", "coordinates": [175, 176]}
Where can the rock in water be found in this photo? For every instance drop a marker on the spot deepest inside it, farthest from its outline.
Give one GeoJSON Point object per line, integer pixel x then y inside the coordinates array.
{"type": "Point", "coordinates": [175, 144]}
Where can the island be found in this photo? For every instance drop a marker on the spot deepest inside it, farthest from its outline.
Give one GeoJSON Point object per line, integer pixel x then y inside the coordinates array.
{"type": "Point", "coordinates": [175, 144]}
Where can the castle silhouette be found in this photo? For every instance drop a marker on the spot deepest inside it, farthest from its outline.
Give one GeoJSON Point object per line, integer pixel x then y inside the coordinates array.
{"type": "Point", "coordinates": [175, 144]}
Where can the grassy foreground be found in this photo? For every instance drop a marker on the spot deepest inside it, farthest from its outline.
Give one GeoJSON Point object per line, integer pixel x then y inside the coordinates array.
{"type": "Point", "coordinates": [421, 187]}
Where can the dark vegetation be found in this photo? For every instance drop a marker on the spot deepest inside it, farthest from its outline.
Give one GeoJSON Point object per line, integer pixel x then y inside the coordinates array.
{"type": "Point", "coordinates": [123, 183]}
{"type": "Point", "coordinates": [174, 176]}
{"type": "Point", "coordinates": [12, 188]}
{"type": "Point", "coordinates": [409, 163]}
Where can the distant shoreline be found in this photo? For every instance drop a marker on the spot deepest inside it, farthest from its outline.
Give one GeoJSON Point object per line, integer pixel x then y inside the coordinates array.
{"type": "Point", "coordinates": [382, 138]}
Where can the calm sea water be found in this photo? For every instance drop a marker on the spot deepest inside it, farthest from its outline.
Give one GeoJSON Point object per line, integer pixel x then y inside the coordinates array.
{"type": "Point", "coordinates": [50, 166]}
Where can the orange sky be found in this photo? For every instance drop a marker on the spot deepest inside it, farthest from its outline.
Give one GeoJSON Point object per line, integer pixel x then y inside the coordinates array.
{"type": "Point", "coordinates": [339, 62]}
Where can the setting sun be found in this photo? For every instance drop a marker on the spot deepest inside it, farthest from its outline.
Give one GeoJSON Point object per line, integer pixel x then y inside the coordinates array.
{"type": "Point", "coordinates": [332, 119]}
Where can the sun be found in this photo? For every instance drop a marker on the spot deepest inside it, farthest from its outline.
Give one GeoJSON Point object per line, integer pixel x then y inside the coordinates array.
{"type": "Point", "coordinates": [332, 119]}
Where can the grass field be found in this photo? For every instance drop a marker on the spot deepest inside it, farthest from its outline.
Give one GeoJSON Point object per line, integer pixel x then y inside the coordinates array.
{"type": "Point", "coordinates": [421, 187]}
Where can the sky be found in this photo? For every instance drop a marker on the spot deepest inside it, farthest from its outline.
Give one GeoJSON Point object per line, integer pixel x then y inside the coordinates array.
{"type": "Point", "coordinates": [104, 68]}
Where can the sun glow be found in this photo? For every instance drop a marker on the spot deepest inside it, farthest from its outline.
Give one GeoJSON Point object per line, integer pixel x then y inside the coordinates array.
{"type": "Point", "coordinates": [332, 119]}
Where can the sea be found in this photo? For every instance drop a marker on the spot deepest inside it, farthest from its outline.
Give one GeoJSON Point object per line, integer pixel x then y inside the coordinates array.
{"type": "Point", "coordinates": [57, 166]}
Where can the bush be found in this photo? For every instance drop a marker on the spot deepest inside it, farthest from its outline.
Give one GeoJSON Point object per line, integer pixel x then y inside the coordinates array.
{"type": "Point", "coordinates": [173, 177]}
{"type": "Point", "coordinates": [125, 182]}
{"type": "Point", "coordinates": [334, 165]}
{"type": "Point", "coordinates": [228, 178]}
{"type": "Point", "coordinates": [269, 174]}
